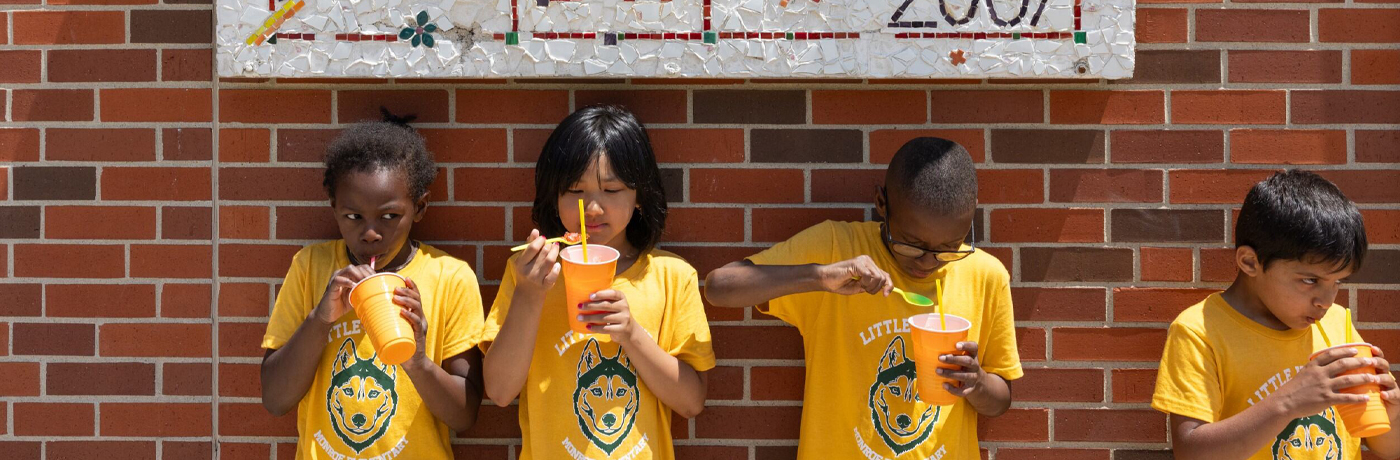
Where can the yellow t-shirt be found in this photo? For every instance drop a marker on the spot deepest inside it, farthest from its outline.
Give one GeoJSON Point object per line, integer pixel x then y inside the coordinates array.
{"type": "Point", "coordinates": [861, 399]}
{"type": "Point", "coordinates": [582, 397]}
{"type": "Point", "coordinates": [1217, 363]}
{"type": "Point", "coordinates": [357, 407]}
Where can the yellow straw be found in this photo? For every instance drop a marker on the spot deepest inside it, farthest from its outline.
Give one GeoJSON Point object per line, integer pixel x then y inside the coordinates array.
{"type": "Point", "coordinates": [1325, 340]}
{"type": "Point", "coordinates": [1348, 313]}
{"type": "Point", "coordinates": [582, 231]}
{"type": "Point", "coordinates": [942, 320]}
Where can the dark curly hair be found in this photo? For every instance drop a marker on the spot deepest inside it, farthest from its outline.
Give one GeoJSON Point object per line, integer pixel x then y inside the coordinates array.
{"type": "Point", "coordinates": [389, 144]}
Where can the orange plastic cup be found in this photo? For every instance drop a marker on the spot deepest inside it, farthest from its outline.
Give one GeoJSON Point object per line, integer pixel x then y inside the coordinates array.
{"type": "Point", "coordinates": [582, 278]}
{"type": "Point", "coordinates": [1367, 419]}
{"type": "Point", "coordinates": [373, 301]}
{"type": "Point", "coordinates": [930, 342]}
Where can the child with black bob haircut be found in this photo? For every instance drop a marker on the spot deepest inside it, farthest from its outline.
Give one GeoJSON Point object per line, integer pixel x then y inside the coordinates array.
{"type": "Point", "coordinates": [608, 394]}
{"type": "Point", "coordinates": [349, 403]}
{"type": "Point", "coordinates": [1236, 377]}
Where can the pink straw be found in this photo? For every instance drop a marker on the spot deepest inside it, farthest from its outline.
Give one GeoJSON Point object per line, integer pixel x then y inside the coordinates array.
{"type": "Point", "coordinates": [371, 263]}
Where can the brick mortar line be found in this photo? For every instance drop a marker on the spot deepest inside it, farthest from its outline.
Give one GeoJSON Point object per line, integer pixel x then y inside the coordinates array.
{"type": "Point", "coordinates": [215, 240]}
{"type": "Point", "coordinates": [933, 84]}
{"type": "Point", "coordinates": [1206, 167]}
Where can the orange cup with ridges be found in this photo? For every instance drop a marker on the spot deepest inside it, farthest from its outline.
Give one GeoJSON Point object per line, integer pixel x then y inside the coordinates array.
{"type": "Point", "coordinates": [931, 340]}
{"type": "Point", "coordinates": [373, 301]}
{"type": "Point", "coordinates": [582, 278]}
{"type": "Point", "coordinates": [1363, 420]}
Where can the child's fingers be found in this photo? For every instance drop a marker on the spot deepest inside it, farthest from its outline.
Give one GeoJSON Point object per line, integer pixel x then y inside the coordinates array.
{"type": "Point", "coordinates": [967, 378]}
{"type": "Point", "coordinates": [408, 292]}
{"type": "Point", "coordinates": [419, 325]}
{"type": "Point", "coordinates": [1388, 384]}
{"type": "Point", "coordinates": [1376, 351]}
{"type": "Point", "coordinates": [1348, 381]}
{"type": "Point", "coordinates": [604, 318]}
{"type": "Point", "coordinates": [1382, 365]}
{"type": "Point", "coordinates": [606, 295]}
{"type": "Point", "coordinates": [1337, 367]}
{"type": "Point", "coordinates": [960, 392]}
{"type": "Point", "coordinates": [1330, 356]}
{"type": "Point", "coordinates": [968, 347]}
{"type": "Point", "coordinates": [533, 244]}
{"type": "Point", "coordinates": [967, 362]}
{"type": "Point", "coordinates": [601, 305]}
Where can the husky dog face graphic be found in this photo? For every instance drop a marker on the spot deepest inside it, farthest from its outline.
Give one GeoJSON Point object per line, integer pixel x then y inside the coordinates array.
{"type": "Point", "coordinates": [1308, 437]}
{"type": "Point", "coordinates": [900, 419]}
{"type": "Point", "coordinates": [361, 399]}
{"type": "Point", "coordinates": [605, 400]}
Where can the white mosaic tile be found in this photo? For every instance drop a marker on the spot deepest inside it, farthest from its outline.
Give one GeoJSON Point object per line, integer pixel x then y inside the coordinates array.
{"type": "Point", "coordinates": [676, 38]}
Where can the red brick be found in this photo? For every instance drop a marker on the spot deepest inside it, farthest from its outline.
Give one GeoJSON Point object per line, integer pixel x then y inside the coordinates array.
{"type": "Point", "coordinates": [708, 258]}
{"type": "Point", "coordinates": [746, 186]}
{"type": "Point", "coordinates": [845, 185]}
{"type": "Point", "coordinates": [1166, 264]}
{"type": "Point", "coordinates": [69, 27]}
{"type": "Point", "coordinates": [187, 379]}
{"type": "Point", "coordinates": [777, 383]}
{"type": "Point", "coordinates": [1375, 306]}
{"type": "Point", "coordinates": [494, 184]}
{"type": "Point", "coordinates": [1061, 385]}
{"type": "Point", "coordinates": [1109, 344]}
{"type": "Point", "coordinates": [1253, 25]}
{"type": "Point", "coordinates": [1105, 186]}
{"type": "Point", "coordinates": [268, 184]}
{"type": "Point", "coordinates": [155, 340]}
{"type": "Point", "coordinates": [157, 105]}
{"type": "Point", "coordinates": [1025, 425]}
{"type": "Point", "coordinates": [1358, 25]}
{"type": "Point", "coordinates": [51, 105]}
{"type": "Point", "coordinates": [1229, 107]}
{"type": "Point", "coordinates": [244, 146]}
{"type": "Point", "coordinates": [1154, 304]}
{"type": "Point", "coordinates": [1382, 226]}
{"type": "Point", "coordinates": [1161, 25]}
{"type": "Point", "coordinates": [1047, 225]}
{"type": "Point", "coordinates": [185, 300]}
{"type": "Point", "coordinates": [446, 224]}
{"type": "Point", "coordinates": [528, 143]}
{"type": "Point", "coordinates": [306, 223]}
{"type": "Point", "coordinates": [649, 106]}
{"type": "Point", "coordinates": [1268, 66]}
{"type": "Point", "coordinates": [757, 342]}
{"type": "Point", "coordinates": [240, 380]}
{"type": "Point", "coordinates": [1218, 264]}
{"type": "Point", "coordinates": [19, 144]}
{"type": "Point", "coordinates": [20, 66]}
{"type": "Point", "coordinates": [1213, 186]}
{"type": "Point", "coordinates": [69, 261]}
{"type": "Point", "coordinates": [981, 106]}
{"type": "Point", "coordinates": [5, 335]}
{"type": "Point", "coordinates": [186, 64]}
{"type": "Point", "coordinates": [187, 144]}
{"type": "Point", "coordinates": [5, 36]}
{"type": "Point", "coordinates": [1372, 146]}
{"type": "Point", "coordinates": [525, 106]}
{"type": "Point", "coordinates": [21, 300]}
{"type": "Point", "coordinates": [53, 419]}
{"type": "Point", "coordinates": [274, 106]}
{"type": "Point", "coordinates": [1076, 264]}
{"type": "Point", "coordinates": [255, 260]}
{"type": "Point", "coordinates": [156, 419]}
{"type": "Point", "coordinates": [429, 106]}
{"type": "Point", "coordinates": [1110, 425]}
{"type": "Point", "coordinates": [304, 145]}
{"type": "Point", "coordinates": [1288, 146]}
{"type": "Point", "coordinates": [100, 222]}
{"type": "Point", "coordinates": [1375, 67]}
{"type": "Point", "coordinates": [456, 145]}
{"type": "Point", "coordinates": [1367, 186]}
{"type": "Point", "coordinates": [778, 224]}
{"type": "Point", "coordinates": [112, 379]}
{"type": "Point", "coordinates": [704, 225]}
{"type": "Point", "coordinates": [697, 145]}
{"type": "Point", "coordinates": [113, 450]}
{"type": "Point", "coordinates": [243, 300]}
{"type": "Point", "coordinates": [1012, 453]}
{"type": "Point", "coordinates": [20, 450]}
{"type": "Point", "coordinates": [251, 419]}
{"type": "Point", "coordinates": [869, 107]}
{"type": "Point", "coordinates": [1107, 107]}
{"type": "Point", "coordinates": [1133, 385]}
{"type": "Point", "coordinates": [171, 261]}
{"type": "Point", "coordinates": [1004, 186]}
{"type": "Point", "coordinates": [101, 145]}
{"type": "Point", "coordinates": [749, 422]}
{"type": "Point", "coordinates": [196, 450]}
{"type": "Point", "coordinates": [885, 142]}
{"type": "Point", "coordinates": [1167, 146]}
{"type": "Point", "coordinates": [243, 222]}
{"type": "Point", "coordinates": [1059, 304]}
{"type": "Point", "coordinates": [157, 184]}
{"type": "Point", "coordinates": [101, 300]}
{"type": "Point", "coordinates": [53, 339]}
{"type": "Point", "coordinates": [1345, 106]}
{"type": "Point", "coordinates": [106, 65]}
{"type": "Point", "coordinates": [21, 379]}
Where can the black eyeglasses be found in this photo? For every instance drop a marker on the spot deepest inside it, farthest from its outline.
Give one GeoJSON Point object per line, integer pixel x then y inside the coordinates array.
{"type": "Point", "coordinates": [912, 251]}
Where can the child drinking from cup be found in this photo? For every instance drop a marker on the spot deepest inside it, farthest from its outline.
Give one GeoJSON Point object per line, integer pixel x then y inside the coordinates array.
{"type": "Point", "coordinates": [862, 399]}
{"type": "Point", "coordinates": [351, 403]}
{"type": "Point", "coordinates": [608, 394]}
{"type": "Point", "coordinates": [1237, 378]}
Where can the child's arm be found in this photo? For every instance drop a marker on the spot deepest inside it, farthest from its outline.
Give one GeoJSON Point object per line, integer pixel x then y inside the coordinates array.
{"type": "Point", "coordinates": [507, 360]}
{"type": "Point", "coordinates": [1387, 445]}
{"type": "Point", "coordinates": [451, 391]}
{"type": "Point", "coordinates": [287, 372]}
{"type": "Point", "coordinates": [743, 283]}
{"type": "Point", "coordinates": [988, 393]}
{"type": "Point", "coordinates": [1311, 391]}
{"type": "Point", "coordinates": [673, 381]}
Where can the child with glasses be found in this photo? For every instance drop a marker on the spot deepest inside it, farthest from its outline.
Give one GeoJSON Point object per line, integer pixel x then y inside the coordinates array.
{"type": "Point", "coordinates": [833, 282]}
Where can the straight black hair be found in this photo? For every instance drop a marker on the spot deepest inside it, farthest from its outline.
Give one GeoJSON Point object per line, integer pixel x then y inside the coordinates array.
{"type": "Point", "coordinates": [583, 135]}
{"type": "Point", "coordinates": [1298, 215]}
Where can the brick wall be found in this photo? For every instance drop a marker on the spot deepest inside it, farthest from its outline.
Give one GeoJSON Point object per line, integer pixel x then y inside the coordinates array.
{"type": "Point", "coordinates": [133, 177]}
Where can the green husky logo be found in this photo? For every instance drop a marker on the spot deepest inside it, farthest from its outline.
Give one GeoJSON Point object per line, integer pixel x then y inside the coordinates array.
{"type": "Point", "coordinates": [902, 421]}
{"type": "Point", "coordinates": [361, 399]}
{"type": "Point", "coordinates": [605, 400]}
{"type": "Point", "coordinates": [1309, 437]}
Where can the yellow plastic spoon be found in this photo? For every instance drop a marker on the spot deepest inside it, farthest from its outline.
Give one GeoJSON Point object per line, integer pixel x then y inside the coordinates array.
{"type": "Point", "coordinates": [568, 238]}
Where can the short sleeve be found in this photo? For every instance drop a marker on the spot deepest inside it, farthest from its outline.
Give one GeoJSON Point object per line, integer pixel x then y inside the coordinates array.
{"type": "Point", "coordinates": [1187, 381]}
{"type": "Point", "coordinates": [497, 317]}
{"type": "Point", "coordinates": [462, 329]}
{"type": "Point", "coordinates": [999, 353]}
{"type": "Point", "coordinates": [685, 332]}
{"type": "Point", "coordinates": [815, 245]}
{"type": "Point", "coordinates": [292, 305]}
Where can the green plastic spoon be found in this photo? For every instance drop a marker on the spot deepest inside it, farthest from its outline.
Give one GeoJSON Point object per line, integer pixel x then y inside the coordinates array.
{"type": "Point", "coordinates": [914, 299]}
